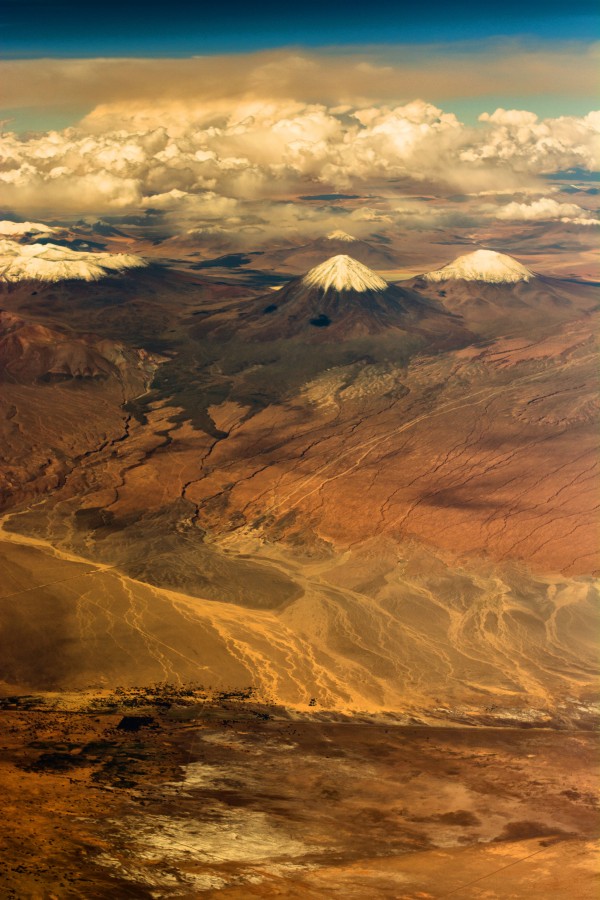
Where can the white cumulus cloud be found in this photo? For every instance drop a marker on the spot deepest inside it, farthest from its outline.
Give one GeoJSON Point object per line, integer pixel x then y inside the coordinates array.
{"type": "Point", "coordinates": [209, 163]}
{"type": "Point", "coordinates": [546, 209]}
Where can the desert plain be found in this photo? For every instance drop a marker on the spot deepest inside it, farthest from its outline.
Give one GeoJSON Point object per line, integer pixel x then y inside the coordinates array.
{"type": "Point", "coordinates": [299, 592]}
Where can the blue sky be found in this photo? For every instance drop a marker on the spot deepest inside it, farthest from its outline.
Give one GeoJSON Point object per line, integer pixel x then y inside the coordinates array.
{"type": "Point", "coordinates": [62, 29]}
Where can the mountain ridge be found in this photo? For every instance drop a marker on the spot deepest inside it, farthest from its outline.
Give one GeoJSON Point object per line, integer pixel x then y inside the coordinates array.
{"type": "Point", "coordinates": [51, 262]}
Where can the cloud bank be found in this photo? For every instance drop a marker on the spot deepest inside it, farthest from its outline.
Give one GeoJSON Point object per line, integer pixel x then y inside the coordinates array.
{"type": "Point", "coordinates": [236, 147]}
{"type": "Point", "coordinates": [121, 157]}
{"type": "Point", "coordinates": [546, 209]}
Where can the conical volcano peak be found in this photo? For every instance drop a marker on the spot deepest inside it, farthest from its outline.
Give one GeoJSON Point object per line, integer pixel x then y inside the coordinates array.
{"type": "Point", "coordinates": [483, 265]}
{"type": "Point", "coordinates": [342, 273]}
{"type": "Point", "coordinates": [341, 236]}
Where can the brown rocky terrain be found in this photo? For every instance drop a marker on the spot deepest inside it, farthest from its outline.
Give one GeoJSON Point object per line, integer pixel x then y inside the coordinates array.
{"type": "Point", "coordinates": [290, 483]}
{"type": "Point", "coordinates": [522, 308]}
{"type": "Point", "coordinates": [175, 794]}
{"type": "Point", "coordinates": [387, 542]}
{"type": "Point", "coordinates": [31, 352]}
{"type": "Point", "coordinates": [62, 397]}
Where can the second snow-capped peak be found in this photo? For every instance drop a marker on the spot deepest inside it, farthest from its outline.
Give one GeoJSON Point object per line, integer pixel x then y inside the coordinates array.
{"type": "Point", "coordinates": [342, 273]}
{"type": "Point", "coordinates": [482, 265]}
{"type": "Point", "coordinates": [341, 236]}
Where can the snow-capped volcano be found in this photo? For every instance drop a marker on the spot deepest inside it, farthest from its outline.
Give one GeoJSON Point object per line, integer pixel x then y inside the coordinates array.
{"type": "Point", "coordinates": [49, 262]}
{"type": "Point", "coordinates": [495, 294]}
{"type": "Point", "coordinates": [341, 236]}
{"type": "Point", "coordinates": [340, 299]}
{"type": "Point", "coordinates": [342, 273]}
{"type": "Point", "coordinates": [482, 265]}
{"type": "Point", "coordinates": [19, 228]}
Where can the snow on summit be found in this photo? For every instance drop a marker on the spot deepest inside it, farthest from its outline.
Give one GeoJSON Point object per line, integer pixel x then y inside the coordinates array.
{"type": "Point", "coordinates": [341, 236]}
{"type": "Point", "coordinates": [342, 273]}
{"type": "Point", "coordinates": [482, 265]}
{"type": "Point", "coordinates": [49, 262]}
{"type": "Point", "coordinates": [20, 228]}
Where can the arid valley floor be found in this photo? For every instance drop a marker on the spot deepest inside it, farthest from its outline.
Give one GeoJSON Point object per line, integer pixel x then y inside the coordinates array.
{"type": "Point", "coordinates": [300, 571]}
